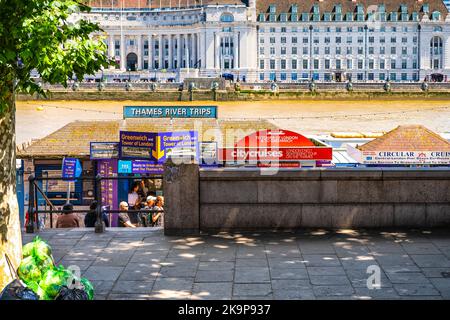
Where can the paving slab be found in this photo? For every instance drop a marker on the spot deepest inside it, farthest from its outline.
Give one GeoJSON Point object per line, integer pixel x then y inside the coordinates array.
{"type": "Point", "coordinates": [321, 260]}
{"type": "Point", "coordinates": [103, 273]}
{"type": "Point", "coordinates": [431, 260]}
{"type": "Point", "coordinates": [131, 287]}
{"type": "Point", "coordinates": [212, 291]}
{"type": "Point", "coordinates": [251, 275]}
{"type": "Point", "coordinates": [214, 276]}
{"type": "Point", "coordinates": [252, 289]}
{"type": "Point", "coordinates": [408, 289]}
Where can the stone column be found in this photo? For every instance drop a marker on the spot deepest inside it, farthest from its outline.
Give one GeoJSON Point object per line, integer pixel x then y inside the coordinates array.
{"type": "Point", "coordinates": [236, 50]}
{"type": "Point", "coordinates": [123, 59]}
{"type": "Point", "coordinates": [186, 49]}
{"type": "Point", "coordinates": [199, 52]}
{"type": "Point", "coordinates": [216, 51]}
{"type": "Point", "coordinates": [170, 51]}
{"type": "Point", "coordinates": [179, 51]}
{"type": "Point", "coordinates": [112, 49]}
{"type": "Point", "coordinates": [160, 41]}
{"type": "Point", "coordinates": [182, 204]}
{"type": "Point", "coordinates": [139, 52]}
{"type": "Point", "coordinates": [150, 52]}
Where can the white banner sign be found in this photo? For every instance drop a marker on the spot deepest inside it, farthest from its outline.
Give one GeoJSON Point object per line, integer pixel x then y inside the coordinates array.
{"type": "Point", "coordinates": [400, 157]}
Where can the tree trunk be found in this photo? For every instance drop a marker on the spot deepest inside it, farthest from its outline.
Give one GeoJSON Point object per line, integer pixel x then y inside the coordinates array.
{"type": "Point", "coordinates": [10, 234]}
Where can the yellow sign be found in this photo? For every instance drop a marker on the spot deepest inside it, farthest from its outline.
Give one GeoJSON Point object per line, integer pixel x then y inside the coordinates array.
{"type": "Point", "coordinates": [158, 153]}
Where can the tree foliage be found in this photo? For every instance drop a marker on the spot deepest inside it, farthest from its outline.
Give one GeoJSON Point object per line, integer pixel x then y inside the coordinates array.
{"type": "Point", "coordinates": [46, 36]}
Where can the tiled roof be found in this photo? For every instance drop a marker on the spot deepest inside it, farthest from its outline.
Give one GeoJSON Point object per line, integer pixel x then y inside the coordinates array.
{"type": "Point", "coordinates": [74, 139]}
{"type": "Point", "coordinates": [156, 3]}
{"type": "Point", "coordinates": [284, 6]}
{"type": "Point", "coordinates": [408, 138]}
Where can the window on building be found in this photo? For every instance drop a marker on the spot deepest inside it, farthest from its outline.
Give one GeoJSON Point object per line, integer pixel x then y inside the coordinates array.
{"type": "Point", "coordinates": [283, 50]}
{"type": "Point", "coordinates": [349, 64]}
{"type": "Point", "coordinates": [294, 76]}
{"type": "Point", "coordinates": [294, 39]}
{"type": "Point", "coordinates": [293, 64]}
{"type": "Point", "coordinates": [272, 64]}
{"type": "Point", "coordinates": [316, 64]}
{"type": "Point", "coordinates": [382, 64]}
{"type": "Point", "coordinates": [305, 64]}
{"type": "Point", "coordinates": [436, 52]}
{"type": "Point", "coordinates": [272, 50]}
{"type": "Point", "coordinates": [404, 64]}
{"type": "Point", "coordinates": [283, 40]}
{"type": "Point", "coordinates": [393, 50]}
{"type": "Point", "coordinates": [261, 64]}
{"type": "Point", "coordinates": [294, 50]}
{"type": "Point", "coordinates": [316, 50]}
{"type": "Point", "coordinates": [393, 64]}
{"type": "Point", "coordinates": [261, 77]}
{"type": "Point", "coordinates": [360, 64]}
{"type": "Point", "coordinates": [283, 64]}
{"type": "Point", "coordinates": [338, 50]}
{"type": "Point", "coordinates": [327, 50]}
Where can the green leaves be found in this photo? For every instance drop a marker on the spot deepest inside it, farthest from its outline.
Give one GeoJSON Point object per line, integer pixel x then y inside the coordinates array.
{"type": "Point", "coordinates": [48, 36]}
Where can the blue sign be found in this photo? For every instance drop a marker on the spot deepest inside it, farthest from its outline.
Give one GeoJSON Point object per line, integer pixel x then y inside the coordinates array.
{"type": "Point", "coordinates": [71, 168]}
{"type": "Point", "coordinates": [209, 112]}
{"type": "Point", "coordinates": [157, 147]}
{"type": "Point", "coordinates": [140, 167]}
{"type": "Point", "coordinates": [181, 145]}
{"type": "Point", "coordinates": [137, 145]}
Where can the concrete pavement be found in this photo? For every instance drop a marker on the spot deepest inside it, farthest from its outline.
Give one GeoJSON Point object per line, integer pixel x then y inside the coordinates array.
{"type": "Point", "coordinates": [311, 264]}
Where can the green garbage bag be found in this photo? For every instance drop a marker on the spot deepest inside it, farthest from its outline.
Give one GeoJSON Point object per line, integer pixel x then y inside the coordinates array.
{"type": "Point", "coordinates": [88, 287]}
{"type": "Point", "coordinates": [27, 250]}
{"type": "Point", "coordinates": [54, 279]}
{"type": "Point", "coordinates": [29, 270]}
{"type": "Point", "coordinates": [39, 249]}
{"type": "Point", "coordinates": [38, 290]}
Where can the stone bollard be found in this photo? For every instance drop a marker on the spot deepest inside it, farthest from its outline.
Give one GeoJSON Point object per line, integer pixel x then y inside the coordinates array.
{"type": "Point", "coordinates": [425, 86]}
{"type": "Point", "coordinates": [312, 86]}
{"type": "Point", "coordinates": [387, 86]}
{"type": "Point", "coordinates": [75, 86]}
{"type": "Point", "coordinates": [191, 91]}
{"type": "Point", "coordinates": [349, 86]}
{"type": "Point", "coordinates": [153, 87]}
{"type": "Point", "coordinates": [101, 86]}
{"type": "Point", "coordinates": [214, 88]}
{"type": "Point", "coordinates": [181, 198]}
{"type": "Point", "coordinates": [128, 86]}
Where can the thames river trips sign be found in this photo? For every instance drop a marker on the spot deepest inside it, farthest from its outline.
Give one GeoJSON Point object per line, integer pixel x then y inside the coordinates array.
{"type": "Point", "coordinates": [171, 112]}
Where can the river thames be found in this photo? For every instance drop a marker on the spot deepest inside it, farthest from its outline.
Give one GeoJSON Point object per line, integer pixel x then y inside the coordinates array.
{"type": "Point", "coordinates": [36, 119]}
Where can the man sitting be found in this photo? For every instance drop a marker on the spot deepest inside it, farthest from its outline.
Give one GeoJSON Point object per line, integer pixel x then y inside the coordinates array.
{"type": "Point", "coordinates": [124, 219]}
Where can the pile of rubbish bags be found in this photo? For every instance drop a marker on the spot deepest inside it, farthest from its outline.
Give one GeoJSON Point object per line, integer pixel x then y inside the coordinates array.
{"type": "Point", "coordinates": [37, 278]}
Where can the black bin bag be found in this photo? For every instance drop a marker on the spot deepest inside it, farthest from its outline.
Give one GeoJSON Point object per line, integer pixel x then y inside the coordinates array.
{"type": "Point", "coordinates": [71, 294]}
{"type": "Point", "coordinates": [16, 290]}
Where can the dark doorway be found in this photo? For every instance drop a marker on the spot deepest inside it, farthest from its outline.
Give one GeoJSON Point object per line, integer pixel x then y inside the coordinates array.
{"type": "Point", "coordinates": [437, 77]}
{"type": "Point", "coordinates": [132, 62]}
{"type": "Point", "coordinates": [338, 77]}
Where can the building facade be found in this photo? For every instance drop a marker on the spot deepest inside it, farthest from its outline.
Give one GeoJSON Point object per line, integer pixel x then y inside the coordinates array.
{"type": "Point", "coordinates": [283, 40]}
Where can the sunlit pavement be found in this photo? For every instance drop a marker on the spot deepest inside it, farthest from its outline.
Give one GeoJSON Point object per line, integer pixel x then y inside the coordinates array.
{"type": "Point", "coordinates": [309, 264]}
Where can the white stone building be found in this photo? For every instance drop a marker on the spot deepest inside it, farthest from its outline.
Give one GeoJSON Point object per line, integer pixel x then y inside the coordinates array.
{"type": "Point", "coordinates": [281, 40]}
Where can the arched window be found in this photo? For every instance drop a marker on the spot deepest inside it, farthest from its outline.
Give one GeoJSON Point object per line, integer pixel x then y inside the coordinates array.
{"type": "Point", "coordinates": [226, 17]}
{"type": "Point", "coordinates": [436, 51]}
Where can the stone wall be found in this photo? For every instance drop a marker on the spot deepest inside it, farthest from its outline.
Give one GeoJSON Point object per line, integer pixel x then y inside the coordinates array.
{"type": "Point", "coordinates": [330, 198]}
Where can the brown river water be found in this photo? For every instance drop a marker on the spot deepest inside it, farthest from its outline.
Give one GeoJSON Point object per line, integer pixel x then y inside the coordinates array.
{"type": "Point", "coordinates": [36, 119]}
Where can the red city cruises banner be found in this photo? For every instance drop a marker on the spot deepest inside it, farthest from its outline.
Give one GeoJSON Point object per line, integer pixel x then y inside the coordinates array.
{"type": "Point", "coordinates": [274, 154]}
